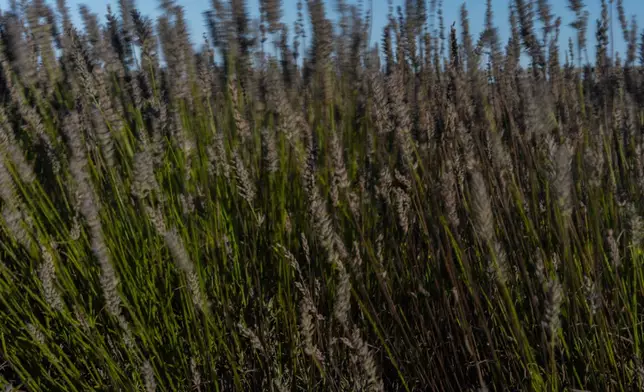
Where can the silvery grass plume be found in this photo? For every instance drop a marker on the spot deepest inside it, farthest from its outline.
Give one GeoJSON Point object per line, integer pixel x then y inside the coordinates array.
{"type": "Point", "coordinates": [594, 165]}
{"type": "Point", "coordinates": [245, 185]}
{"type": "Point", "coordinates": [367, 361]}
{"type": "Point", "coordinates": [171, 52]}
{"type": "Point", "coordinates": [308, 318]}
{"type": "Point", "coordinates": [155, 216]}
{"type": "Point", "coordinates": [160, 125]}
{"type": "Point", "coordinates": [635, 226]}
{"type": "Point", "coordinates": [500, 157]}
{"type": "Point", "coordinates": [385, 184]}
{"type": "Point", "coordinates": [179, 253]}
{"type": "Point", "coordinates": [47, 275]}
{"type": "Point", "coordinates": [148, 377]}
{"type": "Point", "coordinates": [16, 222]}
{"type": "Point", "coordinates": [639, 166]}
{"type": "Point", "coordinates": [9, 146]}
{"type": "Point", "coordinates": [448, 190]}
{"type": "Point", "coordinates": [75, 58]}
{"type": "Point", "coordinates": [288, 225]}
{"type": "Point", "coordinates": [90, 23]}
{"type": "Point", "coordinates": [241, 124]}
{"type": "Point", "coordinates": [147, 41]}
{"type": "Point", "coordinates": [90, 209]}
{"type": "Point", "coordinates": [22, 62]}
{"type": "Point", "coordinates": [404, 181]}
{"type": "Point", "coordinates": [126, 7]}
{"type": "Point", "coordinates": [321, 51]}
{"type": "Point", "coordinates": [32, 55]}
{"type": "Point", "coordinates": [269, 150]}
{"type": "Point", "coordinates": [81, 318]}
{"type": "Point", "coordinates": [103, 114]}
{"type": "Point", "coordinates": [591, 294]}
{"type": "Point", "coordinates": [144, 180]}
{"type": "Point", "coordinates": [321, 220]}
{"type": "Point", "coordinates": [289, 69]}
{"type": "Point", "coordinates": [104, 136]}
{"type": "Point", "coordinates": [380, 108]}
{"type": "Point", "coordinates": [8, 387]}
{"type": "Point", "coordinates": [252, 337]}
{"type": "Point", "coordinates": [196, 376]}
{"type": "Point", "coordinates": [356, 260]}
{"type": "Point", "coordinates": [308, 312]}
{"type": "Point", "coordinates": [183, 36]}
{"type": "Point", "coordinates": [183, 138]}
{"type": "Point", "coordinates": [112, 53]}
{"type": "Point", "coordinates": [340, 178]}
{"type": "Point", "coordinates": [206, 74]}
{"type": "Point", "coordinates": [380, 256]}
{"type": "Point", "coordinates": [539, 119]}
{"type": "Point", "coordinates": [580, 24]}
{"type": "Point", "coordinates": [217, 159]}
{"type": "Point", "coordinates": [355, 201]}
{"type": "Point", "coordinates": [613, 249]}
{"type": "Point", "coordinates": [177, 50]}
{"type": "Point", "coordinates": [403, 208]}
{"type": "Point", "coordinates": [36, 334]}
{"type": "Point", "coordinates": [187, 203]}
{"type": "Point", "coordinates": [481, 206]}
{"type": "Point", "coordinates": [562, 180]}
{"type": "Point", "coordinates": [292, 261]}
{"type": "Point", "coordinates": [407, 147]}
{"type": "Point", "coordinates": [396, 94]}
{"type": "Point", "coordinates": [460, 168]}
{"type": "Point", "coordinates": [272, 13]}
{"type": "Point", "coordinates": [552, 307]}
{"type": "Point", "coordinates": [499, 268]}
{"type": "Point", "coordinates": [8, 191]}
{"type": "Point", "coordinates": [290, 120]}
{"type": "Point", "coordinates": [12, 209]}
{"type": "Point", "coordinates": [283, 381]}
{"type": "Point", "coordinates": [342, 305]}
{"type": "Point", "coordinates": [29, 114]}
{"type": "Point", "coordinates": [37, 13]}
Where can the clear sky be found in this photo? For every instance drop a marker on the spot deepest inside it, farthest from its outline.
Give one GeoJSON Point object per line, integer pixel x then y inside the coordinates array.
{"type": "Point", "coordinates": [194, 14]}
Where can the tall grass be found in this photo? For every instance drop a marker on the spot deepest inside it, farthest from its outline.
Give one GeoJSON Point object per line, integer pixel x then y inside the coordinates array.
{"type": "Point", "coordinates": [305, 211]}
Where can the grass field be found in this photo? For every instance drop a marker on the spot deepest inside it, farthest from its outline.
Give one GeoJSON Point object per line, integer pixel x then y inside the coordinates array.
{"type": "Point", "coordinates": [291, 210]}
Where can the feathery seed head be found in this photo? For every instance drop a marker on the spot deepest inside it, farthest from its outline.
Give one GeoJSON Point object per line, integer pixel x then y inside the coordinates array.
{"type": "Point", "coordinates": [47, 275]}
{"type": "Point", "coordinates": [552, 310]}
{"type": "Point", "coordinates": [481, 207]}
{"type": "Point", "coordinates": [342, 304]}
{"type": "Point", "coordinates": [196, 376]}
{"type": "Point", "coordinates": [148, 377]}
{"type": "Point", "coordinates": [36, 334]}
{"type": "Point", "coordinates": [562, 181]}
{"type": "Point", "coordinates": [613, 249]}
{"type": "Point", "coordinates": [244, 184]}
{"type": "Point", "coordinates": [269, 149]}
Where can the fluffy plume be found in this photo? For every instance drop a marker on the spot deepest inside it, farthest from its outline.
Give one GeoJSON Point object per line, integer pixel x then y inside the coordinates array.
{"type": "Point", "coordinates": [47, 274]}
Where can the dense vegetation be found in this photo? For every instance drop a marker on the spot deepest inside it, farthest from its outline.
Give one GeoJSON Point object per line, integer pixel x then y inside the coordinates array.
{"type": "Point", "coordinates": [305, 211]}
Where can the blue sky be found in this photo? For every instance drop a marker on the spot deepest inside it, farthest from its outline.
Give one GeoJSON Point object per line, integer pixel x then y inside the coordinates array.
{"type": "Point", "coordinates": [194, 13]}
